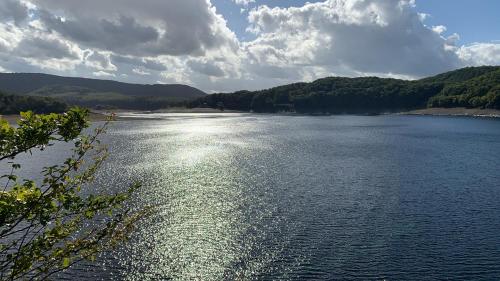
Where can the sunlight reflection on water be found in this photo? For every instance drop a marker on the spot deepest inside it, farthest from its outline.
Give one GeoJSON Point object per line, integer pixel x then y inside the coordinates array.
{"type": "Point", "coordinates": [205, 223]}
{"type": "Point", "coordinates": [263, 197]}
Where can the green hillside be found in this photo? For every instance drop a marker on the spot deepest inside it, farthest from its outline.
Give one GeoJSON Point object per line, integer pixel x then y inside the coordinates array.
{"type": "Point", "coordinates": [461, 75]}
{"type": "Point", "coordinates": [482, 91]}
{"type": "Point", "coordinates": [95, 93]}
{"type": "Point", "coordinates": [467, 87]}
{"type": "Point", "coordinates": [86, 97]}
{"type": "Point", "coordinates": [472, 87]}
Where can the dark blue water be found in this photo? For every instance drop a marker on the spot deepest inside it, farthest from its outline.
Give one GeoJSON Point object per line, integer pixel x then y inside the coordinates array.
{"type": "Point", "coordinates": [261, 197]}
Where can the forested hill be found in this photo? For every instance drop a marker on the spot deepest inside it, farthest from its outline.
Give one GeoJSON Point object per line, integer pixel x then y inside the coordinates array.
{"type": "Point", "coordinates": [477, 87]}
{"type": "Point", "coordinates": [97, 93]}
{"type": "Point", "coordinates": [24, 83]}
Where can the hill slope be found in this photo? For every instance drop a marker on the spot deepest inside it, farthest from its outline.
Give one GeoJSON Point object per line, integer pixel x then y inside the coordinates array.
{"type": "Point", "coordinates": [482, 91]}
{"type": "Point", "coordinates": [95, 92]}
{"type": "Point", "coordinates": [23, 83]}
{"type": "Point", "coordinates": [468, 87]}
{"type": "Point", "coordinates": [461, 75]}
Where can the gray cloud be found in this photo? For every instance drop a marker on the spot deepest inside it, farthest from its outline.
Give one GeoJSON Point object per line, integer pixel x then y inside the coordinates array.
{"type": "Point", "coordinates": [157, 27]}
{"type": "Point", "coordinates": [206, 68]}
{"type": "Point", "coordinates": [44, 48]}
{"type": "Point", "coordinates": [13, 10]}
{"type": "Point", "coordinates": [99, 61]}
{"type": "Point", "coordinates": [386, 36]}
{"type": "Point", "coordinates": [121, 36]}
{"type": "Point", "coordinates": [271, 71]}
{"type": "Point", "coordinates": [139, 62]}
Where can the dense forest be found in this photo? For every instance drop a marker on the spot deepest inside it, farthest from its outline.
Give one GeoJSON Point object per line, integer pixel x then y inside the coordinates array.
{"type": "Point", "coordinates": [477, 87]}
{"type": "Point", "coordinates": [13, 104]}
{"type": "Point", "coordinates": [482, 91]}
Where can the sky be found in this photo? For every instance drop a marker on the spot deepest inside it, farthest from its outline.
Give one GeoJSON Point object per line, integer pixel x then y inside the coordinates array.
{"type": "Point", "coordinates": [229, 45]}
{"type": "Point", "coordinates": [475, 21]}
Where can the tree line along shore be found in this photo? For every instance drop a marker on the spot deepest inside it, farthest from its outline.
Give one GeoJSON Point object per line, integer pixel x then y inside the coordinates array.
{"type": "Point", "coordinates": [466, 91]}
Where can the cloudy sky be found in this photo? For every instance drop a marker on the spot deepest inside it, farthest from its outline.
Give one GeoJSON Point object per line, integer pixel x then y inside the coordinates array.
{"type": "Point", "coordinates": [227, 45]}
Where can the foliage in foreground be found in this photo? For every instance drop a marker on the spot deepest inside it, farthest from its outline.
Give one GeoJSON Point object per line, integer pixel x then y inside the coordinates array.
{"type": "Point", "coordinates": [50, 224]}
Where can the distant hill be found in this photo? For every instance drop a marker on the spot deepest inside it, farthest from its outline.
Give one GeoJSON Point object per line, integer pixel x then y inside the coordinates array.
{"type": "Point", "coordinates": [97, 93]}
{"type": "Point", "coordinates": [472, 87]}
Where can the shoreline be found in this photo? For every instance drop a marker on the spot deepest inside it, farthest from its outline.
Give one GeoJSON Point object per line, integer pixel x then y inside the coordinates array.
{"type": "Point", "coordinates": [96, 116]}
{"type": "Point", "coordinates": [121, 115]}
{"type": "Point", "coordinates": [167, 110]}
{"type": "Point", "coordinates": [443, 112]}
{"type": "Point", "coordinates": [454, 112]}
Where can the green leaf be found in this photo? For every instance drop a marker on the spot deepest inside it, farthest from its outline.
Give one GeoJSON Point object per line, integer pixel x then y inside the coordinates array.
{"type": "Point", "coordinates": [66, 262]}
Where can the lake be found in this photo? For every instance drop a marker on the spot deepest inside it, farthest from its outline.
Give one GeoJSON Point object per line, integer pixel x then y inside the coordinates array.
{"type": "Point", "coordinates": [269, 197]}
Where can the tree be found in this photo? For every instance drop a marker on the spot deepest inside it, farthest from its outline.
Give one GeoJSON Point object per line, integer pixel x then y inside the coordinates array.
{"type": "Point", "coordinates": [47, 226]}
{"type": "Point", "coordinates": [13, 104]}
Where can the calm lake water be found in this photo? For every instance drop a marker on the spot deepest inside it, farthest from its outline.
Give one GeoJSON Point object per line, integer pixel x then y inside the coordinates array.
{"type": "Point", "coordinates": [265, 197]}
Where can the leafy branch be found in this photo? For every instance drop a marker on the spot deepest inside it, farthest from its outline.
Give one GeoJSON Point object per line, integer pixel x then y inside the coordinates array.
{"type": "Point", "coordinates": [47, 226]}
